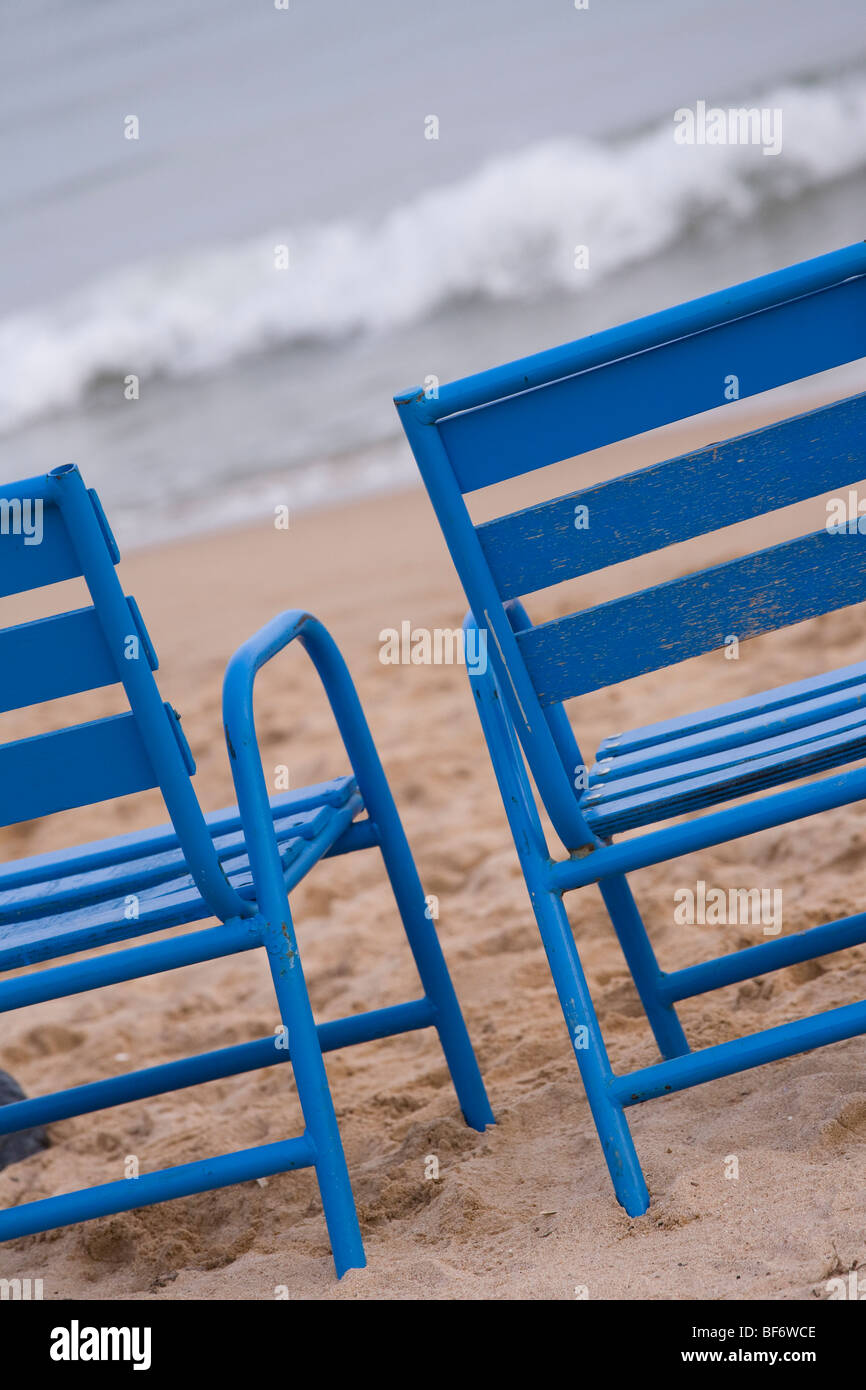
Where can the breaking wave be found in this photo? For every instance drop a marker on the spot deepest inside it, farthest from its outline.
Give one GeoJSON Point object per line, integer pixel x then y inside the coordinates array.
{"type": "Point", "coordinates": [507, 232]}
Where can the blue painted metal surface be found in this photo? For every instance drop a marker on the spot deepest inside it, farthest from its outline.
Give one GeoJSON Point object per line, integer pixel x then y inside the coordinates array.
{"type": "Point", "coordinates": [237, 865]}
{"type": "Point", "coordinates": [52, 657]}
{"type": "Point", "coordinates": [84, 908]}
{"type": "Point", "coordinates": [787, 707]}
{"type": "Point", "coordinates": [169, 1183]}
{"type": "Point", "coordinates": [614, 804]}
{"type": "Point", "coordinates": [211, 1066]}
{"type": "Point", "coordinates": [683, 497]}
{"type": "Point", "coordinates": [646, 631]}
{"type": "Point", "coordinates": [522, 416]}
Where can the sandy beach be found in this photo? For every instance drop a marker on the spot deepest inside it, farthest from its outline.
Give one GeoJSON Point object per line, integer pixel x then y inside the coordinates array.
{"type": "Point", "coordinates": [525, 1210]}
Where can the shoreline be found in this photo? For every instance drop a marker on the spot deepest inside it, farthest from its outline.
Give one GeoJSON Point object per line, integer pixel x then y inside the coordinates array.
{"type": "Point", "coordinates": [666, 442]}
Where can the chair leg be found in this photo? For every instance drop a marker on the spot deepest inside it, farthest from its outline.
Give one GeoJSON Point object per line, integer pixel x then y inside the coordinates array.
{"type": "Point", "coordinates": [591, 1053]}
{"type": "Point", "coordinates": [641, 961]}
{"type": "Point", "coordinates": [430, 962]}
{"type": "Point", "coordinates": [406, 885]}
{"type": "Point", "coordinates": [314, 1094]}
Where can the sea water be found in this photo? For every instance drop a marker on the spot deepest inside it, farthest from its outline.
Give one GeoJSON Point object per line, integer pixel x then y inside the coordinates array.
{"type": "Point", "coordinates": [231, 232]}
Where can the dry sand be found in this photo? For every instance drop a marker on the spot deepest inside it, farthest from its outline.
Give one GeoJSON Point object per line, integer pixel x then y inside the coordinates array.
{"type": "Point", "coordinates": [525, 1210]}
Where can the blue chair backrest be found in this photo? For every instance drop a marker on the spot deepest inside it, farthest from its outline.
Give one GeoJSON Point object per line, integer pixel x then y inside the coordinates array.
{"type": "Point", "coordinates": [514, 419]}
{"type": "Point", "coordinates": [52, 528]}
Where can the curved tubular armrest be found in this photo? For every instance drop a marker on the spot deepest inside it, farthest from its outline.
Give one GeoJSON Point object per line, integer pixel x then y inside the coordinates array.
{"type": "Point", "coordinates": [246, 764]}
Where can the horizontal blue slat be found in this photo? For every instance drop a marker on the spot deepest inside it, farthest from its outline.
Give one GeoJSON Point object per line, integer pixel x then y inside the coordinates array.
{"type": "Point", "coordinates": [35, 546]}
{"type": "Point", "coordinates": [849, 731]}
{"type": "Point", "coordinates": [86, 909]}
{"type": "Point", "coordinates": [120, 850]}
{"type": "Point", "coordinates": [780, 699]}
{"type": "Point", "coordinates": [691, 793]}
{"type": "Point", "coordinates": [666, 624]}
{"type": "Point", "coordinates": [77, 889]}
{"type": "Point", "coordinates": [150, 870]}
{"type": "Point", "coordinates": [793, 719]}
{"type": "Point", "coordinates": [693, 316]}
{"type": "Point", "coordinates": [677, 379]}
{"type": "Point", "coordinates": [105, 923]}
{"type": "Point", "coordinates": [680, 498]}
{"type": "Point", "coordinates": [72, 767]}
{"type": "Point", "coordinates": [52, 657]}
{"type": "Point", "coordinates": [25, 564]}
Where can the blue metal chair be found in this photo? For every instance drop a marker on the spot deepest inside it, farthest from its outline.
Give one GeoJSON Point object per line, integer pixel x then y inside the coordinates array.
{"type": "Point", "coordinates": [237, 865]}
{"type": "Point", "coordinates": [508, 421]}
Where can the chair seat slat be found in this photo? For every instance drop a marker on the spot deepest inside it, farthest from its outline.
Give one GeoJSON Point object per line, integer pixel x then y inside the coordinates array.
{"type": "Point", "coordinates": [146, 871]}
{"type": "Point", "coordinates": [81, 921]}
{"type": "Point", "coordinates": [734, 780]}
{"type": "Point", "coordinates": [613, 782]}
{"type": "Point", "coordinates": [780, 700]}
{"type": "Point", "coordinates": [801, 716]}
{"type": "Point", "coordinates": [120, 849]}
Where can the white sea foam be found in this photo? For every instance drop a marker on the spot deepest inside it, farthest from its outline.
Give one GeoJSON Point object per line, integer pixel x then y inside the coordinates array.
{"type": "Point", "coordinates": [507, 232]}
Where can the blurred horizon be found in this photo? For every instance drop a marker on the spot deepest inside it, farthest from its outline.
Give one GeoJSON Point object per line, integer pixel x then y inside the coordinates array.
{"type": "Point", "coordinates": [408, 256]}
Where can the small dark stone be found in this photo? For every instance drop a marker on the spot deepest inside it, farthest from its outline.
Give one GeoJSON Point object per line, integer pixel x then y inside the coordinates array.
{"type": "Point", "coordinates": [14, 1147]}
